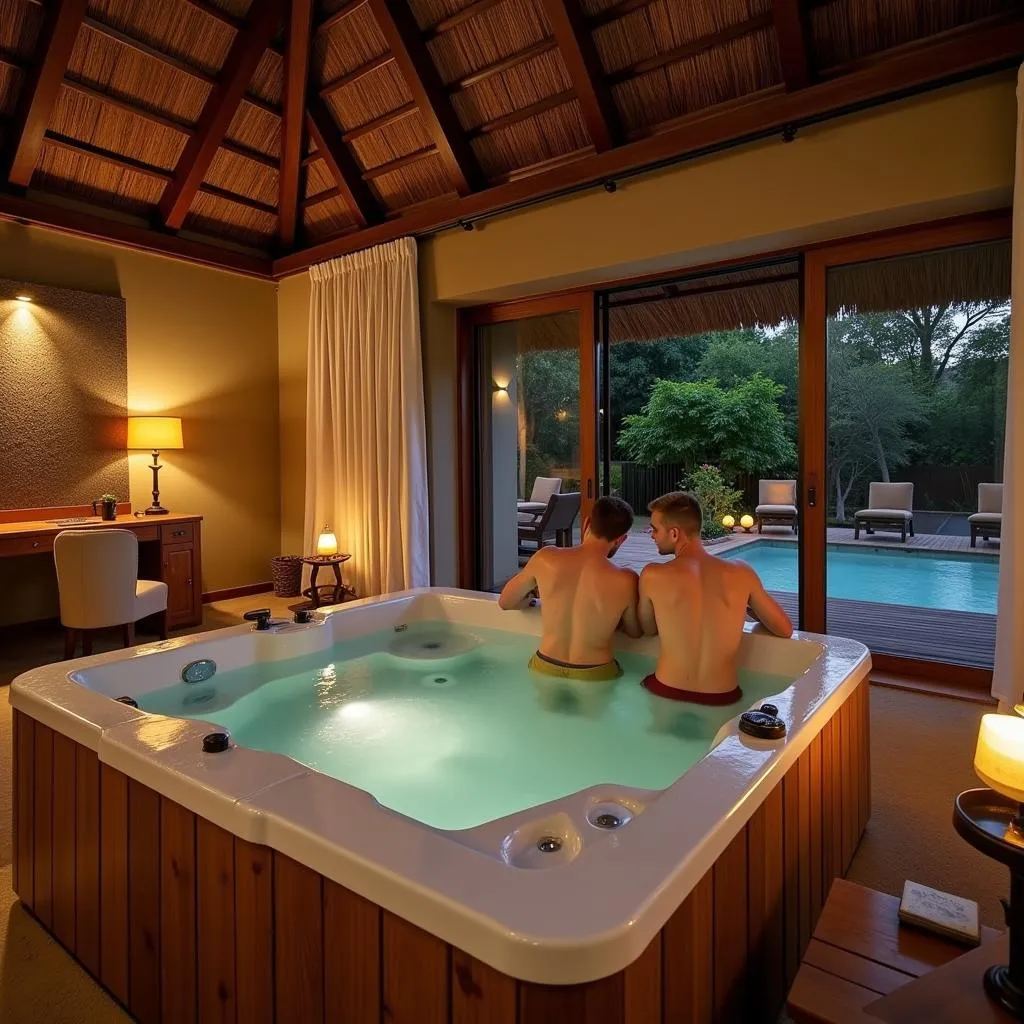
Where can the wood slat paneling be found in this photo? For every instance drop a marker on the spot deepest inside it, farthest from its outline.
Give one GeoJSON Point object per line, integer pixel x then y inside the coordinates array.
{"type": "Point", "coordinates": [178, 984]}
{"type": "Point", "coordinates": [114, 882]}
{"type": "Point", "coordinates": [64, 820]}
{"type": "Point", "coordinates": [352, 929]}
{"type": "Point", "coordinates": [597, 1002]}
{"type": "Point", "coordinates": [791, 869]}
{"type": "Point", "coordinates": [143, 903]}
{"type": "Point", "coordinates": [215, 923]}
{"type": "Point", "coordinates": [298, 942]}
{"type": "Point", "coordinates": [803, 857]}
{"type": "Point", "coordinates": [838, 867]}
{"type": "Point", "coordinates": [480, 994]}
{"type": "Point", "coordinates": [17, 783]}
{"type": "Point", "coordinates": [849, 793]}
{"type": "Point", "coordinates": [416, 973]}
{"type": "Point", "coordinates": [87, 859]}
{"type": "Point", "coordinates": [817, 833]}
{"type": "Point", "coordinates": [731, 938]}
{"type": "Point", "coordinates": [766, 924]}
{"type": "Point", "coordinates": [42, 826]}
{"type": "Point", "coordinates": [642, 993]}
{"type": "Point", "coordinates": [687, 945]}
{"type": "Point", "coordinates": [254, 932]}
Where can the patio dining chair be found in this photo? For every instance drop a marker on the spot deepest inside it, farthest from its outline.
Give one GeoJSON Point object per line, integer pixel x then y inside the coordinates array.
{"type": "Point", "coordinates": [556, 521]}
{"type": "Point", "coordinates": [776, 504]}
{"type": "Point", "coordinates": [987, 522]}
{"type": "Point", "coordinates": [890, 507]}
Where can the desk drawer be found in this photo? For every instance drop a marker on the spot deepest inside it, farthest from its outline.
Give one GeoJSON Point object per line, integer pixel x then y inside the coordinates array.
{"type": "Point", "coordinates": [177, 533]}
{"type": "Point", "coordinates": [33, 545]}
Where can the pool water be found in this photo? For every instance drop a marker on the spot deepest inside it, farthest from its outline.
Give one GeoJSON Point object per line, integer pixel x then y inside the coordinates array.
{"type": "Point", "coordinates": [966, 583]}
{"type": "Point", "coordinates": [452, 729]}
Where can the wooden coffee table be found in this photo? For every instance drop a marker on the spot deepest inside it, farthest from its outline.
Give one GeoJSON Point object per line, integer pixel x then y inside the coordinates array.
{"type": "Point", "coordinates": [862, 967]}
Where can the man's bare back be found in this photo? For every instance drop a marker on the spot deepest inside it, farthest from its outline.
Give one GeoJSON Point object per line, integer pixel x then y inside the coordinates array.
{"type": "Point", "coordinates": [697, 605]}
{"type": "Point", "coordinates": [584, 598]}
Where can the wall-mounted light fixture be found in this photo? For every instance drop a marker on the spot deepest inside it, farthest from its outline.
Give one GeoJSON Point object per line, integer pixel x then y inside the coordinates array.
{"type": "Point", "coordinates": [501, 387]}
{"type": "Point", "coordinates": [23, 298]}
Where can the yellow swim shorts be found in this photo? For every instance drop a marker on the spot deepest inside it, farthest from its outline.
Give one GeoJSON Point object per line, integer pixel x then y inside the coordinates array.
{"type": "Point", "coordinates": [563, 670]}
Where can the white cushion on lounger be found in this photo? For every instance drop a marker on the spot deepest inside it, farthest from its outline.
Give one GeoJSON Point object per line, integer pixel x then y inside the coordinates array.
{"type": "Point", "coordinates": [986, 517]}
{"type": "Point", "coordinates": [883, 513]}
{"type": "Point", "coordinates": [775, 510]}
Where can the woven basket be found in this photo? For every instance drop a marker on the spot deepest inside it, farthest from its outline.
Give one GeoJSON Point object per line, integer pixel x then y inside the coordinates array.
{"type": "Point", "coordinates": [286, 571]}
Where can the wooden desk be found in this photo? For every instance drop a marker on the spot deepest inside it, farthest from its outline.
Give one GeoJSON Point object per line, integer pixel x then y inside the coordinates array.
{"type": "Point", "coordinates": [170, 550]}
{"type": "Point", "coordinates": [860, 956]}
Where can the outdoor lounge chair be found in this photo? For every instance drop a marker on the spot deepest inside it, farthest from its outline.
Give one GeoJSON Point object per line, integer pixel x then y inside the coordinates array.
{"type": "Point", "coordinates": [987, 522]}
{"type": "Point", "coordinates": [890, 507]}
{"type": "Point", "coordinates": [556, 520]}
{"type": "Point", "coordinates": [776, 504]}
{"type": "Point", "coordinates": [543, 488]}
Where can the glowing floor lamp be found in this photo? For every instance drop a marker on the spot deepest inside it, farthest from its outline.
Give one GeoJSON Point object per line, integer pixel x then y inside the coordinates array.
{"type": "Point", "coordinates": [155, 433]}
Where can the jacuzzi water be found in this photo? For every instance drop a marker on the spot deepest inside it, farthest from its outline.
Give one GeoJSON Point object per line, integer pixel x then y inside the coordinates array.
{"type": "Point", "coordinates": [447, 725]}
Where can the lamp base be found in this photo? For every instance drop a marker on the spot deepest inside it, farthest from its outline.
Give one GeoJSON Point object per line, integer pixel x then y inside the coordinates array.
{"type": "Point", "coordinates": [157, 510]}
{"type": "Point", "coordinates": [1002, 990]}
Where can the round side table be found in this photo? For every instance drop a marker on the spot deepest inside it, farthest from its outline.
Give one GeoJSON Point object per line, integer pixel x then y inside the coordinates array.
{"type": "Point", "coordinates": [333, 593]}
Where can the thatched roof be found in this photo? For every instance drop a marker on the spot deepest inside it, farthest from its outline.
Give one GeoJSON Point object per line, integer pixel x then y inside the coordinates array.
{"type": "Point", "coordinates": [399, 103]}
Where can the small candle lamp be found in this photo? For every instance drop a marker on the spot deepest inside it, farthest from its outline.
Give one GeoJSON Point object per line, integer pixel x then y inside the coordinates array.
{"type": "Point", "coordinates": [728, 522]}
{"type": "Point", "coordinates": [992, 821]}
{"type": "Point", "coordinates": [747, 522]}
{"type": "Point", "coordinates": [326, 543]}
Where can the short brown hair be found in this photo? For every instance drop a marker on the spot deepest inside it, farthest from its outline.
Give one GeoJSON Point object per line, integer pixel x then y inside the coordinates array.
{"type": "Point", "coordinates": [680, 509]}
{"type": "Point", "coordinates": [611, 518]}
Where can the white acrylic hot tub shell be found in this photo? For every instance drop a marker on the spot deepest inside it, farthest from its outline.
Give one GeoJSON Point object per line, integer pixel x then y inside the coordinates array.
{"type": "Point", "coordinates": [587, 916]}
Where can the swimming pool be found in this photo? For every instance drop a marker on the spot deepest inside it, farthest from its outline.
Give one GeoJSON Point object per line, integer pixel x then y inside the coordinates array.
{"type": "Point", "coordinates": [318, 854]}
{"type": "Point", "coordinates": [922, 579]}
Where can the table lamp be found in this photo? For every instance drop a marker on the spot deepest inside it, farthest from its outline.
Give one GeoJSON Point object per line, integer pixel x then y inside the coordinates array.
{"type": "Point", "coordinates": [155, 433]}
{"type": "Point", "coordinates": [326, 543]}
{"type": "Point", "coordinates": [992, 821]}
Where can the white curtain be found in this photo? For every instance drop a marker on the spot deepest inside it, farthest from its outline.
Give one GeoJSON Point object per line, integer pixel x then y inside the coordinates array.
{"type": "Point", "coordinates": [1008, 677]}
{"type": "Point", "coordinates": [366, 474]}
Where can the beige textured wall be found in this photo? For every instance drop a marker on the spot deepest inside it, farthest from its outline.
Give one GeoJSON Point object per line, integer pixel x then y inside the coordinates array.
{"type": "Point", "coordinates": [202, 344]}
{"type": "Point", "coordinates": [938, 155]}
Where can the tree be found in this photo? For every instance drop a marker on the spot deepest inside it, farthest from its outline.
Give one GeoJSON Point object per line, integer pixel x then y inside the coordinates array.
{"type": "Point", "coordinates": [740, 429]}
{"type": "Point", "coordinates": [548, 390]}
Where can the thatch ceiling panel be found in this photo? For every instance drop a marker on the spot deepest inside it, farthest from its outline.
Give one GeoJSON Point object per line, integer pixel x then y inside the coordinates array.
{"type": "Point", "coordinates": [236, 8]}
{"type": "Point", "coordinates": [256, 128]}
{"type": "Point", "coordinates": [429, 12]}
{"type": "Point", "coordinates": [369, 98]}
{"type": "Point", "coordinates": [246, 177]}
{"type": "Point", "coordinates": [10, 84]}
{"type": "Point", "coordinates": [394, 140]}
{"type": "Point", "coordinates": [347, 45]}
{"type": "Point", "coordinates": [327, 218]}
{"type": "Point", "coordinates": [172, 26]}
{"type": "Point", "coordinates": [496, 33]}
{"type": "Point", "coordinates": [512, 90]}
{"type": "Point", "coordinates": [19, 26]}
{"type": "Point", "coordinates": [318, 178]}
{"type": "Point", "coordinates": [547, 135]}
{"type": "Point", "coordinates": [215, 216]}
{"type": "Point", "coordinates": [105, 64]}
{"type": "Point", "coordinates": [86, 119]}
{"type": "Point", "coordinates": [81, 176]}
{"type": "Point", "coordinates": [268, 80]}
{"type": "Point", "coordinates": [846, 30]}
{"type": "Point", "coordinates": [426, 179]}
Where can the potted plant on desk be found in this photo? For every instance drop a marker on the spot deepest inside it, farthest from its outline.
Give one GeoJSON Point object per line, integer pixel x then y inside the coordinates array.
{"type": "Point", "coordinates": [108, 507]}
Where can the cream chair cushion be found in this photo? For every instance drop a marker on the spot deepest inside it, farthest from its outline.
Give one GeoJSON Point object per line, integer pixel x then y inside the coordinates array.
{"type": "Point", "coordinates": [544, 487]}
{"type": "Point", "coordinates": [990, 500]}
{"type": "Point", "coordinates": [97, 575]}
{"type": "Point", "coordinates": [776, 494]}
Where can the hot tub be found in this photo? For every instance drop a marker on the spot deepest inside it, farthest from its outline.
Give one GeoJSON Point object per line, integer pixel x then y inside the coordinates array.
{"type": "Point", "coordinates": [407, 826]}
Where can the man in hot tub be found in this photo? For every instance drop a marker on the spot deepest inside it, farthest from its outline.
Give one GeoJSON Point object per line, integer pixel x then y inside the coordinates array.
{"type": "Point", "coordinates": [696, 604]}
{"type": "Point", "coordinates": [584, 597]}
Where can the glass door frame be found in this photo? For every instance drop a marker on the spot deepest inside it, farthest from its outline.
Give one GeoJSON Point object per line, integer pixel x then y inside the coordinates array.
{"type": "Point", "coordinates": [813, 423]}
{"type": "Point", "coordinates": [468, 320]}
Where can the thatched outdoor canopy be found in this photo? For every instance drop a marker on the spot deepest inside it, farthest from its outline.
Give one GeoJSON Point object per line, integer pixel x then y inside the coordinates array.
{"type": "Point", "coordinates": [265, 134]}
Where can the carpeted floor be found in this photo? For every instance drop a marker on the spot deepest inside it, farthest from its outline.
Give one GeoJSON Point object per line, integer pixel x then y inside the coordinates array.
{"type": "Point", "coordinates": [922, 750]}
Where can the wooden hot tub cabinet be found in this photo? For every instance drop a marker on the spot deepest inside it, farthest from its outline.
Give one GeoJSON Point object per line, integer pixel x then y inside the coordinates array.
{"type": "Point", "coordinates": [183, 922]}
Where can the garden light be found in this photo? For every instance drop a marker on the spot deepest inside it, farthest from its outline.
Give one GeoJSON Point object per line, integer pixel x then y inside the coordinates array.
{"type": "Point", "coordinates": [747, 522]}
{"type": "Point", "coordinates": [728, 522]}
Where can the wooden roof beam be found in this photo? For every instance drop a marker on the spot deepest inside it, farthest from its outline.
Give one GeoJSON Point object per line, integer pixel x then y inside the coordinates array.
{"type": "Point", "coordinates": [226, 18]}
{"type": "Point", "coordinates": [471, 10]}
{"type": "Point", "coordinates": [402, 35]}
{"type": "Point", "coordinates": [261, 23]}
{"type": "Point", "coordinates": [348, 178]}
{"type": "Point", "coordinates": [356, 74]}
{"type": "Point", "coordinates": [585, 72]}
{"type": "Point", "coordinates": [39, 92]}
{"type": "Point", "coordinates": [296, 72]}
{"type": "Point", "coordinates": [340, 14]}
{"type": "Point", "coordinates": [793, 33]}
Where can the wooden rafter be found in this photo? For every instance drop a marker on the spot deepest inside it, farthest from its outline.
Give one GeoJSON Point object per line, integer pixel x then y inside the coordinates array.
{"type": "Point", "coordinates": [39, 93]}
{"type": "Point", "coordinates": [296, 71]}
{"type": "Point", "coordinates": [340, 14]}
{"type": "Point", "coordinates": [585, 72]}
{"type": "Point", "coordinates": [261, 22]}
{"type": "Point", "coordinates": [402, 35]}
{"type": "Point", "coordinates": [513, 60]}
{"type": "Point", "coordinates": [347, 176]}
{"type": "Point", "coordinates": [557, 99]}
{"type": "Point", "coordinates": [356, 74]}
{"type": "Point", "coordinates": [792, 33]}
{"type": "Point", "coordinates": [459, 17]}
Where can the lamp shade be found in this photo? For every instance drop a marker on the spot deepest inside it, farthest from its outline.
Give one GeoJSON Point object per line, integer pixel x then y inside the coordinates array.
{"type": "Point", "coordinates": [326, 543]}
{"type": "Point", "coordinates": [999, 758]}
{"type": "Point", "coordinates": [157, 433]}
